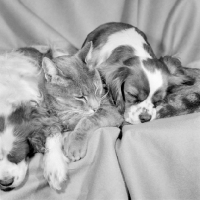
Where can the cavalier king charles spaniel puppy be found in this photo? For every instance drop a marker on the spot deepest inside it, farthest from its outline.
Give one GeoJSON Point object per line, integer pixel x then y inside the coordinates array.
{"type": "Point", "coordinates": [136, 79]}
{"type": "Point", "coordinates": [27, 125]}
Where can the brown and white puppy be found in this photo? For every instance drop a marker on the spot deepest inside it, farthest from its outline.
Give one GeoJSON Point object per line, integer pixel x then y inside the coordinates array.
{"type": "Point", "coordinates": [136, 79]}
{"type": "Point", "coordinates": [19, 91]}
{"type": "Point", "coordinates": [25, 121]}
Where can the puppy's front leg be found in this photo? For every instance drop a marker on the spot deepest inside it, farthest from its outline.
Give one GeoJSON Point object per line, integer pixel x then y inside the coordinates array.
{"type": "Point", "coordinates": [55, 162]}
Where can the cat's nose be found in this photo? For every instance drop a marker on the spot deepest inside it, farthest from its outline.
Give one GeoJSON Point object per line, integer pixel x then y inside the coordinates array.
{"type": "Point", "coordinates": [95, 109]}
{"type": "Point", "coordinates": [94, 105]}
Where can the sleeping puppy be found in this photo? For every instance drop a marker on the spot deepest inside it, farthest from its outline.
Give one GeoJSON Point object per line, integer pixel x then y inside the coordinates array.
{"type": "Point", "coordinates": [182, 99]}
{"type": "Point", "coordinates": [25, 121]}
{"type": "Point", "coordinates": [136, 79]}
{"type": "Point", "coordinates": [19, 80]}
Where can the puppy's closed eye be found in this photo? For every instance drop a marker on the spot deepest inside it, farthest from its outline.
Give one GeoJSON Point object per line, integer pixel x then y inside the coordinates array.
{"type": "Point", "coordinates": [132, 98]}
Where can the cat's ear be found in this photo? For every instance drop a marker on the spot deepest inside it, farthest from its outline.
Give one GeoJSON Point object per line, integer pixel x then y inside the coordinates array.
{"type": "Point", "coordinates": [49, 68]}
{"type": "Point", "coordinates": [85, 53]}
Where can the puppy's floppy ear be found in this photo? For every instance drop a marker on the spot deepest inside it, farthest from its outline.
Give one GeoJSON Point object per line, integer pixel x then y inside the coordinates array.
{"type": "Point", "coordinates": [85, 54]}
{"type": "Point", "coordinates": [115, 84]}
{"type": "Point", "coordinates": [178, 75]}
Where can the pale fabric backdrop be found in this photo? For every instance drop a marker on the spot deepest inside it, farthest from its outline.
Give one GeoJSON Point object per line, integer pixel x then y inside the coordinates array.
{"type": "Point", "coordinates": [157, 160]}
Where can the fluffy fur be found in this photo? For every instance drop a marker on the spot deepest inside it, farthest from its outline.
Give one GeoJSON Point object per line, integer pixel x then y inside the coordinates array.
{"type": "Point", "coordinates": [136, 79]}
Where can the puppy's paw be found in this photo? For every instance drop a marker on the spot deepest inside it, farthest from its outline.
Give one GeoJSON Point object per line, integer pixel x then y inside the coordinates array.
{"type": "Point", "coordinates": [55, 169]}
{"type": "Point", "coordinates": [75, 147]}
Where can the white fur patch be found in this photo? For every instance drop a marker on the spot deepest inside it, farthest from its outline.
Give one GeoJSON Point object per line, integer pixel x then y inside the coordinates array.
{"type": "Point", "coordinates": [7, 139]}
{"type": "Point", "coordinates": [20, 173]}
{"type": "Point", "coordinates": [155, 79]}
{"type": "Point", "coordinates": [7, 168]}
{"type": "Point", "coordinates": [19, 77]}
{"type": "Point", "coordinates": [55, 163]}
{"type": "Point", "coordinates": [126, 37]}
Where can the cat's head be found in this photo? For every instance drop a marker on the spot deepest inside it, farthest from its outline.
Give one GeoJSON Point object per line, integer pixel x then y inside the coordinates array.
{"type": "Point", "coordinates": [72, 84]}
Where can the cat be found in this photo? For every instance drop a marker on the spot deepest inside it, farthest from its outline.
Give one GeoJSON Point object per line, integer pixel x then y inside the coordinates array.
{"type": "Point", "coordinates": [76, 94]}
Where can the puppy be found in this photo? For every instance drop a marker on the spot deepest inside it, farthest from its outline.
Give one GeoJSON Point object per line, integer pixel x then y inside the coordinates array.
{"type": "Point", "coordinates": [182, 99]}
{"type": "Point", "coordinates": [136, 79]}
{"type": "Point", "coordinates": [26, 123]}
{"type": "Point", "coordinates": [19, 90]}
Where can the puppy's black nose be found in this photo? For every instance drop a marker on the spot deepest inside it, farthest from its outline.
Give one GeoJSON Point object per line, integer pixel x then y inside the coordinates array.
{"type": "Point", "coordinates": [7, 182]}
{"type": "Point", "coordinates": [144, 117]}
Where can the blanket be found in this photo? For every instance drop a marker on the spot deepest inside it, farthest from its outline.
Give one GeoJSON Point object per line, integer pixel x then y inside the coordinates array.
{"type": "Point", "coordinates": [155, 160]}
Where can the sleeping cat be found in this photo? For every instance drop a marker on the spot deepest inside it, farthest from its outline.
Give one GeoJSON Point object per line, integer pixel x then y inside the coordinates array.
{"type": "Point", "coordinates": [77, 97]}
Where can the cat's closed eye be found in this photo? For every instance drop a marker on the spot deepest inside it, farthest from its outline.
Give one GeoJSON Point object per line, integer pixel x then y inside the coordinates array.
{"type": "Point", "coordinates": [82, 98]}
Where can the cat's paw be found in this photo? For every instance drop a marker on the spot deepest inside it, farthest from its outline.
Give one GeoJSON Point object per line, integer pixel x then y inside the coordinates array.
{"type": "Point", "coordinates": [55, 169]}
{"type": "Point", "coordinates": [75, 148]}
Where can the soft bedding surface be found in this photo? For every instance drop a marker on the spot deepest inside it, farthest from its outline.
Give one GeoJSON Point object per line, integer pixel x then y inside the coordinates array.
{"type": "Point", "coordinates": [156, 160]}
